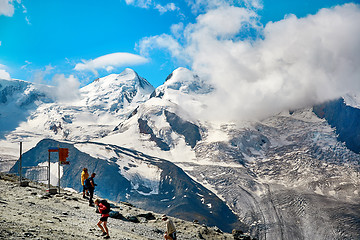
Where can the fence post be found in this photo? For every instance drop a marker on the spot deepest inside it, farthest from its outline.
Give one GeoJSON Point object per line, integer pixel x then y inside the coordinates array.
{"type": "Point", "coordinates": [20, 164]}
{"type": "Point", "coordinates": [59, 172]}
{"type": "Point", "coordinates": [49, 174]}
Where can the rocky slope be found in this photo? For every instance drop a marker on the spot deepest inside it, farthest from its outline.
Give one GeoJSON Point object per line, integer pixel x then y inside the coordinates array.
{"type": "Point", "coordinates": [31, 213]}
{"type": "Point", "coordinates": [128, 175]}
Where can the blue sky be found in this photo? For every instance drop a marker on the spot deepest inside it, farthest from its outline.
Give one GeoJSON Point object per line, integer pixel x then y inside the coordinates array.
{"type": "Point", "coordinates": [91, 38]}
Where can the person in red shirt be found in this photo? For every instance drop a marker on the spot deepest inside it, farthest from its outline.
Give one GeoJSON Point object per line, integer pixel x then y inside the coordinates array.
{"type": "Point", "coordinates": [104, 216]}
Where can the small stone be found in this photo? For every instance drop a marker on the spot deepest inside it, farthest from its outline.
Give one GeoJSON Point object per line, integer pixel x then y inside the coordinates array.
{"type": "Point", "coordinates": [57, 219]}
{"type": "Point", "coordinates": [133, 219]}
{"type": "Point", "coordinates": [216, 229]}
{"type": "Point", "coordinates": [29, 235]}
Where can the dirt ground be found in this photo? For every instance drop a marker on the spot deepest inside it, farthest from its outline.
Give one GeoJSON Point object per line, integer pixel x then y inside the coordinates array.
{"type": "Point", "coordinates": [31, 213]}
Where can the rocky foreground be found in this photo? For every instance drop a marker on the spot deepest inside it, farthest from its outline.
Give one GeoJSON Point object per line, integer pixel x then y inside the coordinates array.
{"type": "Point", "coordinates": [32, 213]}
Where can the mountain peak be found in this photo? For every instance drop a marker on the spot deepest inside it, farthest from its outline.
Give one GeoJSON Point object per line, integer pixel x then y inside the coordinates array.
{"type": "Point", "coordinates": [183, 81]}
{"type": "Point", "coordinates": [129, 74]}
{"type": "Point", "coordinates": [117, 91]}
{"type": "Point", "coordinates": [127, 78]}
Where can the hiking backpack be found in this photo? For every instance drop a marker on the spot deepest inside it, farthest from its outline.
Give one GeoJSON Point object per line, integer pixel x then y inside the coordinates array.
{"type": "Point", "coordinates": [107, 205]}
{"type": "Point", "coordinates": [87, 183]}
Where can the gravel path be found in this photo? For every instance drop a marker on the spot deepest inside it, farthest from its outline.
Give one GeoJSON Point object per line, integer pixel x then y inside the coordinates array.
{"type": "Point", "coordinates": [31, 213]}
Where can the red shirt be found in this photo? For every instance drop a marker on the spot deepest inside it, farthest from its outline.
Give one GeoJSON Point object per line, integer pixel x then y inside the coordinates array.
{"type": "Point", "coordinates": [101, 209]}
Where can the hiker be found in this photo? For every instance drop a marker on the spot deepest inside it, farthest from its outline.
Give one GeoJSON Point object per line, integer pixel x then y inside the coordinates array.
{"type": "Point", "coordinates": [90, 185]}
{"type": "Point", "coordinates": [170, 228]}
{"type": "Point", "coordinates": [84, 175]}
{"type": "Point", "coordinates": [104, 209]}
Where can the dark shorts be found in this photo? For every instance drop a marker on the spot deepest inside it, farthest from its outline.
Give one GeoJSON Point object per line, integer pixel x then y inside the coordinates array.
{"type": "Point", "coordinates": [173, 235]}
{"type": "Point", "coordinates": [103, 219]}
{"type": "Point", "coordinates": [84, 188]}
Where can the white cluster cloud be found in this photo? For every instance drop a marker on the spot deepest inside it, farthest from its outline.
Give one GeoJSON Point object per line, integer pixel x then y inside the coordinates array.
{"type": "Point", "coordinates": [3, 73]}
{"type": "Point", "coordinates": [206, 5]}
{"type": "Point", "coordinates": [110, 61]}
{"type": "Point", "coordinates": [152, 4]}
{"type": "Point", "coordinates": [7, 7]}
{"type": "Point", "coordinates": [296, 62]}
{"type": "Point", "coordinates": [67, 88]}
{"type": "Point", "coordinates": [164, 41]}
{"type": "Point", "coordinates": [170, 7]}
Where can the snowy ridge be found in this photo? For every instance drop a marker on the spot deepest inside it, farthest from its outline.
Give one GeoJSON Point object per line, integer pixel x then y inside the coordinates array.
{"type": "Point", "coordinates": [32, 114]}
{"type": "Point", "coordinates": [352, 100]}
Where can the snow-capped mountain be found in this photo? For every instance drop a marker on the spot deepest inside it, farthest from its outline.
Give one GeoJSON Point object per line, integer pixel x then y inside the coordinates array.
{"type": "Point", "coordinates": [294, 175]}
{"type": "Point", "coordinates": [31, 112]}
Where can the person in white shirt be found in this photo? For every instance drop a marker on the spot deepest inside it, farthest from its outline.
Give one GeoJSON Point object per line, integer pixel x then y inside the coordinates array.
{"type": "Point", "coordinates": [170, 233]}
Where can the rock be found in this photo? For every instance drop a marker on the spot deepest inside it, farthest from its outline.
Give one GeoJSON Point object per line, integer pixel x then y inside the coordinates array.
{"type": "Point", "coordinates": [116, 215]}
{"type": "Point", "coordinates": [142, 220]}
{"type": "Point", "coordinates": [200, 236]}
{"type": "Point", "coordinates": [204, 230]}
{"type": "Point", "coordinates": [28, 235]}
{"type": "Point", "coordinates": [57, 219]}
{"type": "Point", "coordinates": [71, 198]}
{"type": "Point", "coordinates": [239, 235]}
{"type": "Point", "coordinates": [127, 204]}
{"type": "Point", "coordinates": [45, 196]}
{"type": "Point", "coordinates": [147, 216]}
{"type": "Point", "coordinates": [216, 229]}
{"type": "Point", "coordinates": [159, 231]}
{"type": "Point", "coordinates": [133, 219]}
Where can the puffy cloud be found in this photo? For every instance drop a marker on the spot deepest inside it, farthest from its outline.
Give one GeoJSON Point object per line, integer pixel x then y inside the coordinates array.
{"type": "Point", "coordinates": [166, 8]}
{"type": "Point", "coordinates": [3, 73]}
{"type": "Point", "coordinates": [163, 41]}
{"type": "Point", "coordinates": [297, 62]}
{"type": "Point", "coordinates": [67, 88]}
{"type": "Point", "coordinates": [110, 61]}
{"type": "Point", "coordinates": [7, 7]}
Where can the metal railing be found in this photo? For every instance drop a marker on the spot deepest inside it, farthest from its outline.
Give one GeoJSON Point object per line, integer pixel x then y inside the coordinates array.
{"type": "Point", "coordinates": [36, 173]}
{"type": "Point", "coordinates": [25, 173]}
